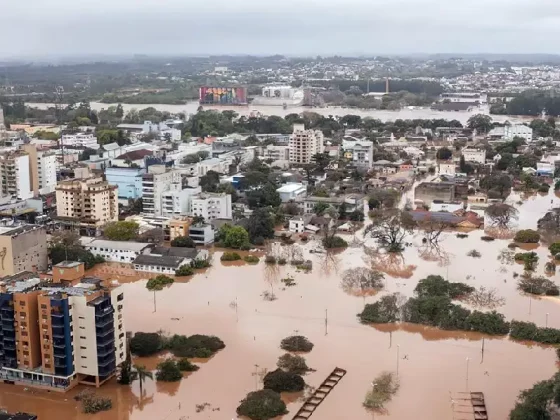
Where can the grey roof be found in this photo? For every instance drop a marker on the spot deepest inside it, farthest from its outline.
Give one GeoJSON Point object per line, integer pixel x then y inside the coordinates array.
{"type": "Point", "coordinates": [17, 416]}
{"type": "Point", "coordinates": [111, 146]}
{"type": "Point", "coordinates": [119, 245]}
{"type": "Point", "coordinates": [154, 260]}
{"type": "Point", "coordinates": [175, 252]}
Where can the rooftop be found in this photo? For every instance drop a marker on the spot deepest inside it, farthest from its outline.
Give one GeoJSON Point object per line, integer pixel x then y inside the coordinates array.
{"type": "Point", "coordinates": [136, 154]}
{"type": "Point", "coordinates": [17, 416]}
{"type": "Point", "coordinates": [290, 188]}
{"type": "Point", "coordinates": [118, 245]}
{"type": "Point", "coordinates": [153, 260]}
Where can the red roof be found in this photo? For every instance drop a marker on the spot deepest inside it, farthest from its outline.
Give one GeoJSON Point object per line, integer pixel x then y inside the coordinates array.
{"type": "Point", "coordinates": [136, 154]}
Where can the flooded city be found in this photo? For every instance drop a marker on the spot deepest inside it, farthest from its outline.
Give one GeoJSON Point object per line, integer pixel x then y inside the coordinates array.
{"type": "Point", "coordinates": [228, 301]}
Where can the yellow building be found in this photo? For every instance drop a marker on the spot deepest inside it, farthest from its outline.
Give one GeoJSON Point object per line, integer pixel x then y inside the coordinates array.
{"type": "Point", "coordinates": [22, 248]}
{"type": "Point", "coordinates": [89, 202]}
{"type": "Point", "coordinates": [178, 227]}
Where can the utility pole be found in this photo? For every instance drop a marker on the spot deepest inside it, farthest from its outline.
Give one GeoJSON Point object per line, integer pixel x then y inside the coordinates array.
{"type": "Point", "coordinates": [155, 302]}
{"type": "Point", "coordinates": [326, 322]}
{"type": "Point", "coordinates": [467, 374]}
{"type": "Point", "coordinates": [398, 358]}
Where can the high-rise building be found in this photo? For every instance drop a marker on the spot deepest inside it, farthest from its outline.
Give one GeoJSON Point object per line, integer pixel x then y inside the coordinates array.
{"type": "Point", "coordinates": [211, 206]}
{"type": "Point", "coordinates": [16, 173]}
{"type": "Point", "coordinates": [22, 248]}
{"type": "Point", "coordinates": [42, 169]}
{"type": "Point", "coordinates": [304, 144]}
{"type": "Point", "coordinates": [90, 202]}
{"type": "Point", "coordinates": [59, 334]}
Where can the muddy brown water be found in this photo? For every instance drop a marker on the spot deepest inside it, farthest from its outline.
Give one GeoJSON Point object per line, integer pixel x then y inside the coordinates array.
{"type": "Point", "coordinates": [227, 301]}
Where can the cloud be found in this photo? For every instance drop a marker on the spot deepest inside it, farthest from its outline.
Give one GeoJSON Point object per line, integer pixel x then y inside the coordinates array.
{"type": "Point", "coordinates": [294, 27]}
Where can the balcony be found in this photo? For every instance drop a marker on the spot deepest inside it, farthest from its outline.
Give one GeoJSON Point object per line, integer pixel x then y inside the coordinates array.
{"type": "Point", "coordinates": [105, 351]}
{"type": "Point", "coordinates": [8, 326]}
{"type": "Point", "coordinates": [11, 347]}
{"type": "Point", "coordinates": [105, 311]}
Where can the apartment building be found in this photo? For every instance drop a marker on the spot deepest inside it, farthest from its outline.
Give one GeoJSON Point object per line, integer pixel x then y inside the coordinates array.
{"type": "Point", "coordinates": [276, 152]}
{"type": "Point", "coordinates": [157, 181]}
{"type": "Point", "coordinates": [56, 335]}
{"type": "Point", "coordinates": [304, 144]}
{"type": "Point", "coordinates": [359, 152]}
{"type": "Point", "coordinates": [474, 155]}
{"type": "Point", "coordinates": [89, 202]}
{"type": "Point", "coordinates": [518, 130]}
{"type": "Point", "coordinates": [16, 173]}
{"type": "Point", "coordinates": [128, 181]}
{"type": "Point", "coordinates": [22, 248]}
{"type": "Point", "coordinates": [42, 164]}
{"type": "Point", "coordinates": [212, 206]}
{"type": "Point", "coordinates": [87, 140]}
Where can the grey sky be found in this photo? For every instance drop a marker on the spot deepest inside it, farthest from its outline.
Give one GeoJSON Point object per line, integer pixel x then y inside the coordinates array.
{"type": "Point", "coordinates": [294, 27]}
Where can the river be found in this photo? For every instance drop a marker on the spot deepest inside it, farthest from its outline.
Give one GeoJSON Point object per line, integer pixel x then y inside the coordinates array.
{"type": "Point", "coordinates": [384, 115]}
{"type": "Point", "coordinates": [432, 363]}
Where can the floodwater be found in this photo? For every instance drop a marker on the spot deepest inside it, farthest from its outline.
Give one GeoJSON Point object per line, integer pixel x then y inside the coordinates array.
{"type": "Point", "coordinates": [227, 301]}
{"type": "Point", "coordinates": [384, 115]}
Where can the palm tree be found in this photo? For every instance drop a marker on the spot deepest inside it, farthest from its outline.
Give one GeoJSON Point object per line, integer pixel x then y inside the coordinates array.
{"type": "Point", "coordinates": [141, 373]}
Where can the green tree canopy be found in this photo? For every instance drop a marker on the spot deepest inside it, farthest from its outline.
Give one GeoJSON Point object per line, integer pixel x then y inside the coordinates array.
{"type": "Point", "coordinates": [121, 231]}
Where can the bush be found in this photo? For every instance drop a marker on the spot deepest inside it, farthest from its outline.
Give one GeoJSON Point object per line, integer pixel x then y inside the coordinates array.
{"type": "Point", "coordinates": [185, 365]}
{"type": "Point", "coordinates": [383, 311]}
{"type": "Point", "coordinates": [538, 286]}
{"type": "Point", "coordinates": [529, 259]}
{"type": "Point", "coordinates": [488, 323]}
{"type": "Point", "coordinates": [554, 248]}
{"type": "Point", "coordinates": [332, 242]}
{"type": "Point", "coordinates": [259, 240]}
{"type": "Point", "coordinates": [158, 282]}
{"type": "Point", "coordinates": [281, 381]}
{"type": "Point", "coordinates": [262, 405]}
{"type": "Point", "coordinates": [251, 259]}
{"type": "Point", "coordinates": [92, 404]}
{"type": "Point", "coordinates": [293, 364]}
{"type": "Point", "coordinates": [474, 253]}
{"type": "Point", "coordinates": [233, 236]}
{"type": "Point", "coordinates": [462, 235]}
{"type": "Point", "coordinates": [230, 256]}
{"type": "Point", "coordinates": [202, 346]}
{"type": "Point", "coordinates": [199, 263]}
{"type": "Point", "coordinates": [437, 286]}
{"type": "Point", "coordinates": [528, 331]}
{"type": "Point", "coordinates": [543, 188]}
{"type": "Point", "coordinates": [488, 238]}
{"type": "Point", "coordinates": [145, 344]}
{"type": "Point", "coordinates": [168, 371]}
{"type": "Point", "coordinates": [282, 261]}
{"type": "Point", "coordinates": [296, 343]}
{"type": "Point", "coordinates": [385, 386]}
{"type": "Point", "coordinates": [270, 259]}
{"type": "Point", "coordinates": [184, 270]}
{"type": "Point", "coordinates": [527, 236]}
{"type": "Point", "coordinates": [183, 242]}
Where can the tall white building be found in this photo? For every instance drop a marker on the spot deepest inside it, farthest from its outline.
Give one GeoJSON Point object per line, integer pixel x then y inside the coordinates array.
{"type": "Point", "coordinates": [46, 171]}
{"type": "Point", "coordinates": [361, 152]}
{"type": "Point", "coordinates": [304, 144]}
{"type": "Point", "coordinates": [212, 206]}
{"type": "Point", "coordinates": [80, 140]}
{"type": "Point", "coordinates": [16, 174]}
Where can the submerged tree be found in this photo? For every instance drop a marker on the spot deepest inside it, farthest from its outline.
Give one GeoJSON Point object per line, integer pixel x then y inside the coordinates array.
{"type": "Point", "coordinates": [361, 281]}
{"type": "Point", "coordinates": [262, 405]}
{"type": "Point", "coordinates": [501, 215]}
{"type": "Point", "coordinates": [390, 228]}
{"type": "Point", "coordinates": [384, 387]}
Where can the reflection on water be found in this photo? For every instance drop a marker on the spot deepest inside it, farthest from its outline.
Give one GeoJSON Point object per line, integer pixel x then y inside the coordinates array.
{"type": "Point", "coordinates": [318, 308]}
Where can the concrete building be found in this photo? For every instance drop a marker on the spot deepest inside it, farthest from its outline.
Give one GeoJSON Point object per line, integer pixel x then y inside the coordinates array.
{"type": "Point", "coordinates": [167, 260]}
{"type": "Point", "coordinates": [46, 171]}
{"type": "Point", "coordinates": [211, 206]}
{"type": "Point", "coordinates": [178, 227]}
{"type": "Point", "coordinates": [155, 183]}
{"type": "Point", "coordinates": [18, 175]}
{"type": "Point", "coordinates": [276, 152]}
{"type": "Point", "coordinates": [518, 130]}
{"type": "Point", "coordinates": [202, 234]}
{"type": "Point", "coordinates": [59, 334]}
{"type": "Point", "coordinates": [474, 155]}
{"type": "Point", "coordinates": [90, 202]}
{"type": "Point", "coordinates": [447, 168]}
{"type": "Point", "coordinates": [304, 144]}
{"type": "Point", "coordinates": [127, 180]}
{"type": "Point", "coordinates": [177, 202]}
{"type": "Point", "coordinates": [22, 248]}
{"type": "Point", "coordinates": [427, 192]}
{"type": "Point", "coordinates": [115, 251]}
{"type": "Point", "coordinates": [292, 191]}
{"type": "Point", "coordinates": [359, 152]}
{"type": "Point", "coordinates": [87, 140]}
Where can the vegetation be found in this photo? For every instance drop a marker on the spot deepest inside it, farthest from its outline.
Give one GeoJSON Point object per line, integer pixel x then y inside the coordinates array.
{"type": "Point", "coordinates": [199, 263]}
{"type": "Point", "coordinates": [184, 270]}
{"type": "Point", "coordinates": [251, 259]}
{"type": "Point", "coordinates": [554, 248]}
{"type": "Point", "coordinates": [528, 331]}
{"type": "Point", "coordinates": [332, 242]}
{"type": "Point", "coordinates": [146, 344]}
{"type": "Point", "coordinates": [384, 387]}
{"type": "Point", "coordinates": [197, 345]}
{"type": "Point", "coordinates": [390, 228]}
{"type": "Point", "coordinates": [444, 154]}
{"type": "Point", "coordinates": [385, 310]}
{"type": "Point", "coordinates": [538, 403]}
{"type": "Point", "coordinates": [260, 226]}
{"type": "Point", "coordinates": [230, 256]}
{"type": "Point", "coordinates": [281, 381]}
{"type": "Point", "coordinates": [361, 281]}
{"type": "Point", "coordinates": [540, 286]}
{"type": "Point", "coordinates": [92, 404]}
{"type": "Point", "coordinates": [262, 405]}
{"type": "Point", "coordinates": [501, 215]}
{"type": "Point", "coordinates": [296, 343]}
{"type": "Point", "coordinates": [529, 260]}
{"type": "Point", "coordinates": [437, 286]}
{"type": "Point", "coordinates": [293, 364]}
{"type": "Point", "coordinates": [183, 242]}
{"type": "Point", "coordinates": [159, 282]}
{"type": "Point", "coordinates": [140, 373]}
{"type": "Point", "coordinates": [121, 231]}
{"type": "Point", "coordinates": [527, 236]}
{"type": "Point", "coordinates": [235, 237]}
{"type": "Point", "coordinates": [168, 371]}
{"type": "Point", "coordinates": [474, 253]}
{"type": "Point", "coordinates": [185, 365]}
{"type": "Point", "coordinates": [270, 259]}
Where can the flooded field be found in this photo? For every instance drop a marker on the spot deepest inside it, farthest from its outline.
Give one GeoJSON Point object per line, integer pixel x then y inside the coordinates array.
{"type": "Point", "coordinates": [227, 300]}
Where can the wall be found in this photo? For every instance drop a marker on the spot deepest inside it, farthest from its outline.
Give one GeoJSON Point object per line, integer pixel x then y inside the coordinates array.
{"type": "Point", "coordinates": [29, 250]}
{"type": "Point", "coordinates": [85, 345]}
{"type": "Point", "coordinates": [128, 181]}
{"type": "Point", "coordinates": [117, 300]}
{"type": "Point", "coordinates": [26, 315]}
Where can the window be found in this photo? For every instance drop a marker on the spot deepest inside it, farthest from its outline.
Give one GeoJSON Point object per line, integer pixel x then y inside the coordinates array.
{"type": "Point", "coordinates": [26, 353]}
{"type": "Point", "coordinates": [81, 317]}
{"type": "Point", "coordinates": [24, 333]}
{"type": "Point", "coordinates": [84, 357]}
{"type": "Point", "coordinates": [82, 328]}
{"type": "Point", "coordinates": [43, 306]}
{"type": "Point", "coordinates": [22, 303]}
{"type": "Point", "coordinates": [48, 366]}
{"type": "Point", "coordinates": [45, 336]}
{"type": "Point", "coordinates": [82, 338]}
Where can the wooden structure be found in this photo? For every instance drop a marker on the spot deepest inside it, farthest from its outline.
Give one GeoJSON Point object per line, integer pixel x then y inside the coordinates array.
{"type": "Point", "coordinates": [311, 404]}
{"type": "Point", "coordinates": [469, 406]}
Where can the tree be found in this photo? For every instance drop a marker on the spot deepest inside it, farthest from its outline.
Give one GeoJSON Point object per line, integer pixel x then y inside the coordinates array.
{"type": "Point", "coordinates": [501, 215]}
{"type": "Point", "coordinates": [527, 236]}
{"type": "Point", "coordinates": [262, 405]}
{"type": "Point", "coordinates": [210, 181]}
{"type": "Point", "coordinates": [159, 282]}
{"type": "Point", "coordinates": [384, 387]}
{"type": "Point", "coordinates": [319, 208]}
{"type": "Point", "coordinates": [261, 226]}
{"type": "Point", "coordinates": [125, 373]}
{"type": "Point", "coordinates": [184, 270]}
{"type": "Point", "coordinates": [281, 381]}
{"type": "Point", "coordinates": [437, 286]}
{"type": "Point", "coordinates": [266, 196]}
{"type": "Point", "coordinates": [185, 365]}
{"type": "Point", "coordinates": [198, 220]}
{"type": "Point", "coordinates": [145, 344]}
{"type": "Point", "coordinates": [444, 154]}
{"type": "Point", "coordinates": [385, 310]}
{"type": "Point", "coordinates": [480, 122]}
{"type": "Point", "coordinates": [121, 231]}
{"type": "Point", "coordinates": [183, 242]}
{"type": "Point", "coordinates": [235, 237]}
{"type": "Point", "coordinates": [389, 228]}
{"type": "Point", "coordinates": [296, 343]}
{"type": "Point", "coordinates": [361, 281]}
{"type": "Point", "coordinates": [119, 112]}
{"type": "Point", "coordinates": [293, 363]}
{"type": "Point", "coordinates": [168, 371]}
{"type": "Point", "coordinates": [537, 403]}
{"type": "Point", "coordinates": [140, 373]}
{"type": "Point", "coordinates": [321, 161]}
{"type": "Point", "coordinates": [554, 248]}
{"type": "Point", "coordinates": [501, 183]}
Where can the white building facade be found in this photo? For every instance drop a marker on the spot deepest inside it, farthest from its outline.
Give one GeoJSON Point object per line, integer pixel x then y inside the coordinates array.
{"type": "Point", "coordinates": [304, 144]}
{"type": "Point", "coordinates": [46, 171]}
{"type": "Point", "coordinates": [80, 140]}
{"type": "Point", "coordinates": [115, 251]}
{"type": "Point", "coordinates": [212, 206]}
{"type": "Point", "coordinates": [474, 155]}
{"type": "Point", "coordinates": [518, 130]}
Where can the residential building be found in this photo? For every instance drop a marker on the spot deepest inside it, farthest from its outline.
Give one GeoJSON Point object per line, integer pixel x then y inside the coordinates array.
{"type": "Point", "coordinates": [46, 171]}
{"type": "Point", "coordinates": [133, 158]}
{"type": "Point", "coordinates": [167, 260]}
{"type": "Point", "coordinates": [89, 202]}
{"type": "Point", "coordinates": [166, 192]}
{"type": "Point", "coordinates": [18, 174]}
{"type": "Point", "coordinates": [202, 234]}
{"type": "Point", "coordinates": [86, 140]}
{"type": "Point", "coordinates": [59, 334]}
{"type": "Point", "coordinates": [177, 202]}
{"type": "Point", "coordinates": [297, 224]}
{"type": "Point", "coordinates": [211, 206]}
{"type": "Point", "coordinates": [352, 202]}
{"type": "Point", "coordinates": [22, 248]}
{"type": "Point", "coordinates": [178, 227]}
{"type": "Point", "coordinates": [127, 180]}
{"type": "Point", "coordinates": [276, 152]}
{"type": "Point", "coordinates": [474, 155]}
{"type": "Point", "coordinates": [518, 130]}
{"type": "Point", "coordinates": [115, 251]}
{"type": "Point", "coordinates": [545, 169]}
{"type": "Point", "coordinates": [292, 191]}
{"type": "Point", "coordinates": [427, 192]}
{"type": "Point", "coordinates": [447, 168]}
{"type": "Point", "coordinates": [304, 144]}
{"type": "Point", "coordinates": [359, 152]}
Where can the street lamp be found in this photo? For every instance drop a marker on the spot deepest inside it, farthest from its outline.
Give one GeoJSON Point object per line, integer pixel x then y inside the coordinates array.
{"type": "Point", "coordinates": [546, 325]}
{"type": "Point", "coordinates": [398, 357]}
{"type": "Point", "coordinates": [373, 385]}
{"type": "Point", "coordinates": [468, 373]}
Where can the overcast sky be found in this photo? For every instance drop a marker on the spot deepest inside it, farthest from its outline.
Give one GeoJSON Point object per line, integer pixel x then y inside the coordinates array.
{"type": "Point", "coordinates": [292, 27]}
